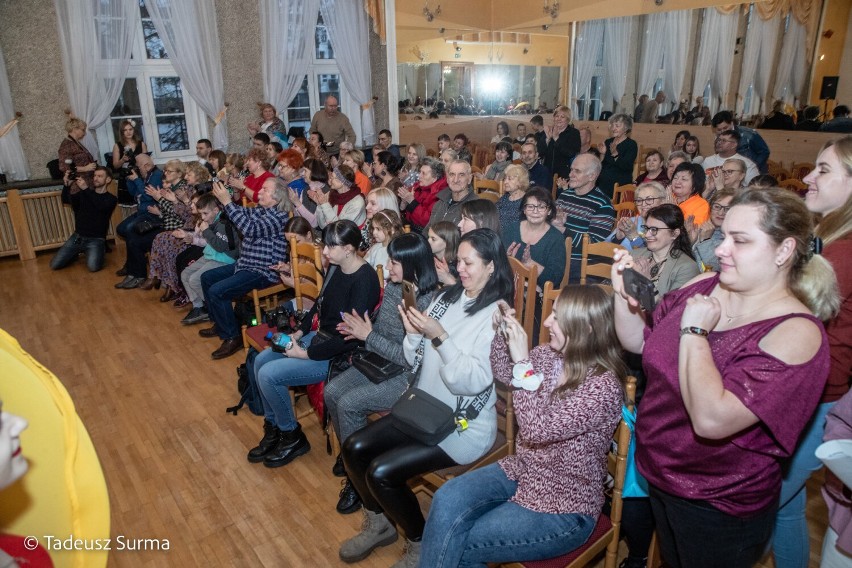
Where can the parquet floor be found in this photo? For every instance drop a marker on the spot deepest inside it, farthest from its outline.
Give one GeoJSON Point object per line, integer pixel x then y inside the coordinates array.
{"type": "Point", "coordinates": [154, 404]}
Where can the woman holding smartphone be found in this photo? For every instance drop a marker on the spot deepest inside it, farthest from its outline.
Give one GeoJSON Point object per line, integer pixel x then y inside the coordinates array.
{"type": "Point", "coordinates": [351, 396]}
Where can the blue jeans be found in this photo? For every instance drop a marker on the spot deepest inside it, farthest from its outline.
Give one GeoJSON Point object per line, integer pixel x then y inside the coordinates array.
{"type": "Point", "coordinates": [223, 285]}
{"type": "Point", "coordinates": [791, 542]}
{"type": "Point", "coordinates": [472, 522]}
{"type": "Point", "coordinates": [67, 253]}
{"type": "Point", "coordinates": [275, 373]}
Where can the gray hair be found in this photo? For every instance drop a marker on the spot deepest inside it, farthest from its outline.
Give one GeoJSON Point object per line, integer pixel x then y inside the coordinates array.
{"type": "Point", "coordinates": [656, 186]}
{"type": "Point", "coordinates": [433, 164]}
{"type": "Point", "coordinates": [624, 119]}
{"type": "Point", "coordinates": [678, 154]}
{"type": "Point", "coordinates": [281, 195]}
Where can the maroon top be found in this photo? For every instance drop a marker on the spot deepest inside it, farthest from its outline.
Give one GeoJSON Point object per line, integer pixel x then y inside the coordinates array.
{"type": "Point", "coordinates": [560, 457]}
{"type": "Point", "coordinates": [740, 475]}
{"type": "Point", "coordinates": [839, 329]}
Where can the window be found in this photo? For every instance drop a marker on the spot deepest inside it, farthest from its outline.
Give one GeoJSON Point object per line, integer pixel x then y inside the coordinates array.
{"type": "Point", "coordinates": [166, 117]}
{"type": "Point", "coordinates": [323, 80]}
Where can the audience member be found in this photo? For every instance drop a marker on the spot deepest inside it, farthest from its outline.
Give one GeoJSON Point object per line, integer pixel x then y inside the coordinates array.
{"type": "Point", "coordinates": [515, 185]}
{"type": "Point", "coordinates": [203, 148]}
{"type": "Point", "coordinates": [444, 143]}
{"type": "Point", "coordinates": [687, 187]}
{"type": "Point", "coordinates": [333, 125]}
{"type": "Point", "coordinates": [718, 407]}
{"type": "Point", "coordinates": [259, 141]}
{"type": "Point", "coordinates": [355, 160]}
{"type": "Point", "coordinates": [654, 169]}
{"type": "Point", "coordinates": [502, 132]}
{"type": "Point", "coordinates": [344, 201]}
{"type": "Point", "coordinates": [730, 174]}
{"type": "Point", "coordinates": [447, 157]}
{"type": "Point", "coordinates": [675, 159]}
{"type": "Point", "coordinates": [778, 119]}
{"type": "Point", "coordinates": [520, 133]}
{"type": "Point", "coordinates": [810, 120]}
{"type": "Point", "coordinates": [545, 500]}
{"type": "Point", "coordinates": [386, 142]}
{"type": "Point", "coordinates": [460, 146]}
{"type": "Point", "coordinates": [351, 397]}
{"type": "Point", "coordinates": [840, 121]}
{"type": "Point", "coordinates": [680, 141]}
{"type": "Point", "coordinates": [290, 164]}
{"type": "Point", "coordinates": [72, 153]}
{"type": "Point", "coordinates": [726, 148]}
{"type": "Point", "coordinates": [263, 245]}
{"type": "Point", "coordinates": [255, 163]}
{"type": "Point", "coordinates": [410, 171]}
{"type": "Point", "coordinates": [537, 173]}
{"type": "Point", "coordinates": [315, 174]}
{"type": "Point", "coordinates": [534, 240]}
{"type": "Point", "coordinates": [583, 208]}
{"type": "Point", "coordinates": [710, 234]}
{"type": "Point", "coordinates": [750, 144]}
{"type": "Point", "coordinates": [562, 142]}
{"type": "Point", "coordinates": [221, 247]}
{"type": "Point", "coordinates": [385, 171]}
{"type": "Point", "coordinates": [92, 207]}
{"type": "Point", "coordinates": [416, 203]}
{"type": "Point", "coordinates": [377, 200]}
{"type": "Point", "coordinates": [619, 153]}
{"type": "Point", "coordinates": [629, 231]}
{"type": "Point", "coordinates": [692, 148]}
{"type": "Point", "coordinates": [450, 344]}
{"type": "Point", "coordinates": [269, 124]}
{"type": "Point", "coordinates": [384, 226]}
{"type": "Point", "coordinates": [316, 148]}
{"type": "Point", "coordinates": [502, 159]}
{"type": "Point", "coordinates": [651, 109]}
{"type": "Point", "coordinates": [763, 181]}
{"type": "Point", "coordinates": [640, 108]}
{"type": "Point", "coordinates": [124, 152]}
{"type": "Point", "coordinates": [457, 190]}
{"type": "Point", "coordinates": [478, 214]}
{"type": "Point", "coordinates": [537, 125]}
{"type": "Point", "coordinates": [443, 239]}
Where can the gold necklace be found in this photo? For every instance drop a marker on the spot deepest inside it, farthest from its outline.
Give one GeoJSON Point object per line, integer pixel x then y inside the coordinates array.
{"type": "Point", "coordinates": [751, 313]}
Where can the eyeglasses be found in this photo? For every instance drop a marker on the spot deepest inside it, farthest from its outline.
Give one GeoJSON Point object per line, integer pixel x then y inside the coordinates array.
{"type": "Point", "coordinates": [720, 208]}
{"type": "Point", "coordinates": [171, 170]}
{"type": "Point", "coordinates": [652, 231]}
{"type": "Point", "coordinates": [539, 207]}
{"type": "Point", "coordinates": [731, 172]}
{"type": "Point", "coordinates": [648, 200]}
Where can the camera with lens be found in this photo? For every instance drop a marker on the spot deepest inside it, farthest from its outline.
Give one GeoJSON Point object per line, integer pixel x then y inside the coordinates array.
{"type": "Point", "coordinates": [284, 318]}
{"type": "Point", "coordinates": [205, 187]}
{"type": "Point", "coordinates": [72, 170]}
{"type": "Point", "coordinates": [128, 153]}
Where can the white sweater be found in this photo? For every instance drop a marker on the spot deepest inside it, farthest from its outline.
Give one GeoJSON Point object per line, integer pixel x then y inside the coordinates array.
{"type": "Point", "coordinates": [460, 367]}
{"type": "Point", "coordinates": [355, 210]}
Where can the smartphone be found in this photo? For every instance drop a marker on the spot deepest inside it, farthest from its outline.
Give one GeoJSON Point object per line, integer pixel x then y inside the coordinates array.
{"type": "Point", "coordinates": [409, 298]}
{"type": "Point", "coordinates": [640, 288]}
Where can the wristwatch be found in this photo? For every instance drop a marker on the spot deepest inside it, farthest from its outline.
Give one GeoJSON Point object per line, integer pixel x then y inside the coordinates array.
{"type": "Point", "coordinates": [437, 341]}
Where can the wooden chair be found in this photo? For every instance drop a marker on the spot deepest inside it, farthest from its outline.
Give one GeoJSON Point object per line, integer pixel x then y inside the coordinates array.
{"type": "Point", "coordinates": [490, 196]}
{"type": "Point", "coordinates": [380, 272]}
{"type": "Point", "coordinates": [606, 533]}
{"type": "Point", "coordinates": [801, 169]}
{"type": "Point", "coordinates": [482, 186]}
{"type": "Point", "coordinates": [625, 209]}
{"type": "Point", "coordinates": [621, 193]}
{"type": "Point", "coordinates": [599, 269]}
{"type": "Point", "coordinates": [554, 190]}
{"type": "Point", "coordinates": [548, 298]}
{"type": "Point", "coordinates": [525, 295]}
{"type": "Point", "coordinates": [567, 274]}
{"type": "Point", "coordinates": [247, 203]}
{"type": "Point", "coordinates": [795, 185]}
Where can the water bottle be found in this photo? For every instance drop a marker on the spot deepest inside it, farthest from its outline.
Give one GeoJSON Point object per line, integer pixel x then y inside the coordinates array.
{"type": "Point", "coordinates": [280, 341]}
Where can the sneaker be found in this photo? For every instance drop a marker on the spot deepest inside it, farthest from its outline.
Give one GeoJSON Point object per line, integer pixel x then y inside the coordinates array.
{"type": "Point", "coordinates": [195, 315]}
{"type": "Point", "coordinates": [410, 556]}
{"type": "Point", "coordinates": [376, 531]}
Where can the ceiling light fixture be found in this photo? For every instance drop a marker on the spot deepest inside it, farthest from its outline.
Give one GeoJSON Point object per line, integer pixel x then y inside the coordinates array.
{"type": "Point", "coordinates": [551, 10]}
{"type": "Point", "coordinates": [428, 14]}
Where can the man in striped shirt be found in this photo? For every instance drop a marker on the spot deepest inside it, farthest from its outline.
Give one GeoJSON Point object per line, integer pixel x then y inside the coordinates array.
{"type": "Point", "coordinates": [583, 208]}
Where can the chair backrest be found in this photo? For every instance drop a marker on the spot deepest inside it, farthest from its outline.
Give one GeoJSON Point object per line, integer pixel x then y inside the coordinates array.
{"type": "Point", "coordinates": [306, 265]}
{"type": "Point", "coordinates": [795, 185]}
{"type": "Point", "coordinates": [490, 196]}
{"type": "Point", "coordinates": [548, 298]}
{"type": "Point", "coordinates": [621, 193]}
{"type": "Point", "coordinates": [554, 190]}
{"type": "Point", "coordinates": [801, 169]}
{"type": "Point", "coordinates": [525, 295]}
{"type": "Point", "coordinates": [380, 272]}
{"type": "Point", "coordinates": [600, 268]}
{"type": "Point", "coordinates": [566, 275]}
{"type": "Point", "coordinates": [481, 186]}
{"type": "Point", "coordinates": [624, 209]}
{"type": "Point", "coordinates": [248, 203]}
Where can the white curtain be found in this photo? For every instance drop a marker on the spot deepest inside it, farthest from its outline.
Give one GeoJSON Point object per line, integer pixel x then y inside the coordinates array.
{"type": "Point", "coordinates": [716, 53]}
{"type": "Point", "coordinates": [758, 57]}
{"type": "Point", "coordinates": [678, 25]}
{"type": "Point", "coordinates": [653, 45]}
{"type": "Point", "coordinates": [791, 68]}
{"type": "Point", "coordinates": [349, 30]}
{"type": "Point", "coordinates": [433, 75]}
{"type": "Point", "coordinates": [189, 33]}
{"type": "Point", "coordinates": [616, 49]}
{"type": "Point", "coordinates": [13, 162]}
{"type": "Point", "coordinates": [286, 32]}
{"type": "Point", "coordinates": [586, 50]}
{"type": "Point", "coordinates": [96, 39]}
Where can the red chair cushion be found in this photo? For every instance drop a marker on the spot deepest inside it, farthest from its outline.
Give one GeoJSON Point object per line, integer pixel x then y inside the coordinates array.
{"type": "Point", "coordinates": [604, 524]}
{"type": "Point", "coordinates": [258, 334]}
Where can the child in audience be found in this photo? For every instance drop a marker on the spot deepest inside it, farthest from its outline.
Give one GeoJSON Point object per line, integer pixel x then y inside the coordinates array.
{"type": "Point", "coordinates": [385, 226]}
{"type": "Point", "coordinates": [444, 241]}
{"type": "Point", "coordinates": [221, 242]}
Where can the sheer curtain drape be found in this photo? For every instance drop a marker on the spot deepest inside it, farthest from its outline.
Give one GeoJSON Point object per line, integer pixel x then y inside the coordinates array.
{"type": "Point", "coordinates": [349, 30]}
{"type": "Point", "coordinates": [586, 51]}
{"type": "Point", "coordinates": [189, 33]}
{"type": "Point", "coordinates": [13, 162]}
{"type": "Point", "coordinates": [675, 48]}
{"type": "Point", "coordinates": [716, 53]}
{"type": "Point", "coordinates": [759, 53]}
{"type": "Point", "coordinates": [791, 68]}
{"type": "Point", "coordinates": [433, 75]}
{"type": "Point", "coordinates": [653, 45]}
{"type": "Point", "coordinates": [96, 39]}
{"type": "Point", "coordinates": [616, 51]}
{"type": "Point", "coordinates": [287, 37]}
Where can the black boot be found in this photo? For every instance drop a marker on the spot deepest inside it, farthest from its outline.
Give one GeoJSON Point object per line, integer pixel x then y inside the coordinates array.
{"type": "Point", "coordinates": [271, 433]}
{"type": "Point", "coordinates": [338, 470]}
{"type": "Point", "coordinates": [349, 501]}
{"type": "Point", "coordinates": [290, 445]}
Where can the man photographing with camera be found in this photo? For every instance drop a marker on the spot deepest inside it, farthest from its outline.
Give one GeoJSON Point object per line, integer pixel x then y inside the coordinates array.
{"type": "Point", "coordinates": [92, 208]}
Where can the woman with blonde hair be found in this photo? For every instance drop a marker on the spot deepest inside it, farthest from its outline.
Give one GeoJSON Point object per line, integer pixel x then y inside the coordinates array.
{"type": "Point", "coordinates": [269, 124]}
{"type": "Point", "coordinates": [562, 142]}
{"type": "Point", "coordinates": [72, 151]}
{"type": "Point", "coordinates": [515, 185]}
{"type": "Point", "coordinates": [410, 171]}
{"type": "Point", "coordinates": [830, 197]}
{"type": "Point", "coordinates": [735, 362]}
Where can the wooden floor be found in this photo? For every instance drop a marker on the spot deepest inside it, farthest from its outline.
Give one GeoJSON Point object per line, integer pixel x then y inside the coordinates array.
{"type": "Point", "coordinates": [154, 403]}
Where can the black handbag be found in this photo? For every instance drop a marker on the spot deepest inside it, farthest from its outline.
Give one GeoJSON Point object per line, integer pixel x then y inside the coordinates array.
{"type": "Point", "coordinates": [423, 417]}
{"type": "Point", "coordinates": [145, 226]}
{"type": "Point", "coordinates": [375, 367]}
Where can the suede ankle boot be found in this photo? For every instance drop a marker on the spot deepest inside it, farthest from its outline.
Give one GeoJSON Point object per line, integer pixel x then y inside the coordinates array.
{"type": "Point", "coordinates": [376, 531]}
{"type": "Point", "coordinates": [410, 556]}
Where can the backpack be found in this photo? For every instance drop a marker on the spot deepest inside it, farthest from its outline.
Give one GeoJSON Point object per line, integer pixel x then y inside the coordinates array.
{"type": "Point", "coordinates": [249, 393]}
